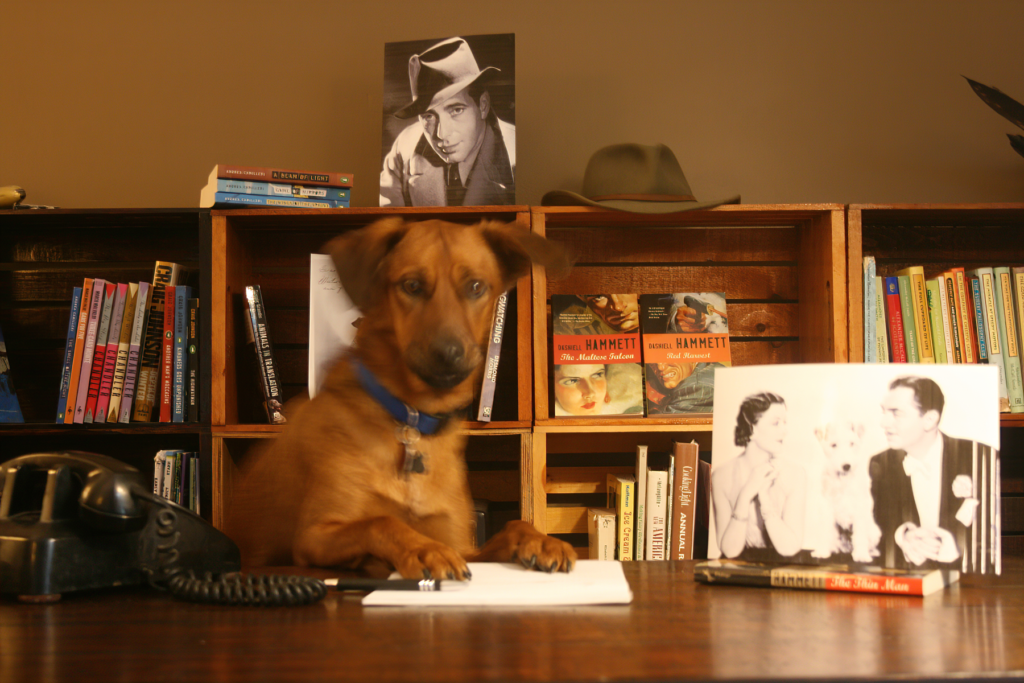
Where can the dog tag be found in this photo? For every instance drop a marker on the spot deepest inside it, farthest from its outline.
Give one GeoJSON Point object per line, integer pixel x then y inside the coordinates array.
{"type": "Point", "coordinates": [414, 462]}
{"type": "Point", "coordinates": [408, 436]}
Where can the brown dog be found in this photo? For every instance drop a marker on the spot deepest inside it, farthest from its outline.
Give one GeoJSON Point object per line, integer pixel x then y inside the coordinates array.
{"type": "Point", "coordinates": [339, 487]}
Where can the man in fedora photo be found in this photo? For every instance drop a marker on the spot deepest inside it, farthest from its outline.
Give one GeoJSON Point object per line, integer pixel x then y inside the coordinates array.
{"type": "Point", "coordinates": [455, 151]}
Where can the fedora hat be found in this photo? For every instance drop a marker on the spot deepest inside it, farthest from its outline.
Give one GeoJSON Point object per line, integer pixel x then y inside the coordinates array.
{"type": "Point", "coordinates": [637, 178]}
{"type": "Point", "coordinates": [439, 72]}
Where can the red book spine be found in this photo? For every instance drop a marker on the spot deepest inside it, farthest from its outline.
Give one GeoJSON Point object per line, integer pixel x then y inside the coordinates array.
{"type": "Point", "coordinates": [167, 356]}
{"type": "Point", "coordinates": [100, 354]}
{"type": "Point", "coordinates": [892, 303]}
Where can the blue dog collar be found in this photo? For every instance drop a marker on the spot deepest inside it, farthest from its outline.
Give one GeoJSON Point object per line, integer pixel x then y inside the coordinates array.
{"type": "Point", "coordinates": [407, 415]}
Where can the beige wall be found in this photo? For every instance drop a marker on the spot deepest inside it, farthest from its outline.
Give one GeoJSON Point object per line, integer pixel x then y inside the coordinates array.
{"type": "Point", "coordinates": [129, 104]}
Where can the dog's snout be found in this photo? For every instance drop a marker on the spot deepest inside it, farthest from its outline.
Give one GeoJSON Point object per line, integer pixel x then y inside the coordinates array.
{"type": "Point", "coordinates": [449, 353]}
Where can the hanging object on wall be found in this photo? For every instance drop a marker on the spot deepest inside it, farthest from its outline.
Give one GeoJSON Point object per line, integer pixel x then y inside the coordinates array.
{"type": "Point", "coordinates": [1004, 105]}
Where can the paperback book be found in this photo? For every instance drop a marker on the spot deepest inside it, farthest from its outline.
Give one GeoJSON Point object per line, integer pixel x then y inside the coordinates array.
{"type": "Point", "coordinates": [685, 340]}
{"type": "Point", "coordinates": [596, 355]}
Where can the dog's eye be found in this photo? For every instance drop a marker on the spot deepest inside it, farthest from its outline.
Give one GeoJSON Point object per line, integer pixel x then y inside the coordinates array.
{"type": "Point", "coordinates": [475, 289]}
{"type": "Point", "coordinates": [412, 287]}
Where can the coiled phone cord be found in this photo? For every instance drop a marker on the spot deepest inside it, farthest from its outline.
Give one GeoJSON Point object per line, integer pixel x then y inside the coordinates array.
{"type": "Point", "coordinates": [250, 590]}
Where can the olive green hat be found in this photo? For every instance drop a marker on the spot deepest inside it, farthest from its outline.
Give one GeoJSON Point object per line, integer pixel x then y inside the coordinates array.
{"type": "Point", "coordinates": [637, 178]}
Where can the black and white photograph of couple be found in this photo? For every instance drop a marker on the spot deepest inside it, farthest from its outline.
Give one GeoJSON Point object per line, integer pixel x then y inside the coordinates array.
{"type": "Point", "coordinates": [893, 465]}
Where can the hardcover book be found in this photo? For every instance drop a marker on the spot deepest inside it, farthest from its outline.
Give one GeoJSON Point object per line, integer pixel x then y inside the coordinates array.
{"type": "Point", "coordinates": [490, 378]}
{"type": "Point", "coordinates": [164, 273]}
{"type": "Point", "coordinates": [596, 355]}
{"type": "Point", "coordinates": [864, 579]}
{"type": "Point", "coordinates": [685, 340]}
{"type": "Point", "coordinates": [69, 353]}
{"type": "Point", "coordinates": [264, 355]}
{"type": "Point", "coordinates": [892, 466]}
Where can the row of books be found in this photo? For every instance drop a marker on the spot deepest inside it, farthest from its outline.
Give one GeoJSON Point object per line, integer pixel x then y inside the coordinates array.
{"type": "Point", "coordinates": [237, 186]}
{"type": "Point", "coordinates": [131, 352]}
{"type": "Point", "coordinates": [658, 513]}
{"type": "Point", "coordinates": [176, 477]}
{"type": "Point", "coordinates": [957, 316]}
{"type": "Point", "coordinates": [635, 355]}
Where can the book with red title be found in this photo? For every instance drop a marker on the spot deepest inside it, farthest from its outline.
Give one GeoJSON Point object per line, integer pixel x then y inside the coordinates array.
{"type": "Point", "coordinates": [151, 346]}
{"type": "Point", "coordinates": [110, 362]}
{"type": "Point", "coordinates": [100, 353]}
{"type": "Point", "coordinates": [89, 354]}
{"type": "Point", "coordinates": [862, 579]}
{"type": "Point", "coordinates": [596, 355]}
{"type": "Point", "coordinates": [279, 175]}
{"type": "Point", "coordinates": [167, 355]}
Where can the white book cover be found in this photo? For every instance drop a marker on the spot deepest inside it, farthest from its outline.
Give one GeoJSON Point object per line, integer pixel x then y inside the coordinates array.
{"type": "Point", "coordinates": [894, 465]}
{"type": "Point", "coordinates": [591, 582]}
{"type": "Point", "coordinates": [332, 317]}
{"type": "Point", "coordinates": [601, 533]}
{"type": "Point", "coordinates": [657, 514]}
{"type": "Point", "coordinates": [870, 331]}
{"type": "Point", "coordinates": [641, 501]}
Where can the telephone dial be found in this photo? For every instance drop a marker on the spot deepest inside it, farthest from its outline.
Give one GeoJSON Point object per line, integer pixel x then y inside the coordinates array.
{"type": "Point", "coordinates": [73, 521]}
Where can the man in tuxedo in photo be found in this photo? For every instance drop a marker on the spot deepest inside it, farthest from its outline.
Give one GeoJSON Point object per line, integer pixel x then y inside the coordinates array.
{"type": "Point", "coordinates": [456, 152]}
{"type": "Point", "coordinates": [925, 486]}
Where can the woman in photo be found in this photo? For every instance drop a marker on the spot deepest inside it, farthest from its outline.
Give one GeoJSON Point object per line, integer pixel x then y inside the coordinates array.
{"type": "Point", "coordinates": [759, 497]}
{"type": "Point", "coordinates": [598, 389]}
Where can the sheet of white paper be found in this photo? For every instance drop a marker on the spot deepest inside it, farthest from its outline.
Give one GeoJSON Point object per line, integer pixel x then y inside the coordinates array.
{"type": "Point", "coordinates": [592, 582]}
{"type": "Point", "coordinates": [331, 314]}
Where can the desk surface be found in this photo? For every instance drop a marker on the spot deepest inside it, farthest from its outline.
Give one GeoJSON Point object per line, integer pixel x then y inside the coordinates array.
{"type": "Point", "coordinates": [675, 629]}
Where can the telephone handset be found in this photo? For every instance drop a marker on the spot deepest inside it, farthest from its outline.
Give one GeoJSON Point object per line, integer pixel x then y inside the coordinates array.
{"type": "Point", "coordinates": [73, 520]}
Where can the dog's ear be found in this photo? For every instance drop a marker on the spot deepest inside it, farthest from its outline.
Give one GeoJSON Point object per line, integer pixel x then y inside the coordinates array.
{"type": "Point", "coordinates": [516, 249]}
{"type": "Point", "coordinates": [359, 254]}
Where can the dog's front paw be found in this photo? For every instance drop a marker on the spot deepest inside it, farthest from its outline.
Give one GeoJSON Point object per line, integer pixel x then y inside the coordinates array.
{"type": "Point", "coordinates": [433, 561]}
{"type": "Point", "coordinates": [520, 542]}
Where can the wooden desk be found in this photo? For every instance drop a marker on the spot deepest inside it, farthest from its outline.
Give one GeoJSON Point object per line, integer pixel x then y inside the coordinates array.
{"type": "Point", "coordinates": [675, 629]}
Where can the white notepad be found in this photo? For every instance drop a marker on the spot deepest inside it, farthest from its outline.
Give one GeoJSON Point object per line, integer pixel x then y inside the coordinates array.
{"type": "Point", "coordinates": [592, 582]}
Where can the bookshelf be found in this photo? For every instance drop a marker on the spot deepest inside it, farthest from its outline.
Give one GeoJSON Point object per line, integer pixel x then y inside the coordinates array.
{"type": "Point", "coordinates": [44, 254]}
{"type": "Point", "coordinates": [783, 269]}
{"type": "Point", "coordinates": [938, 237]}
{"type": "Point", "coordinates": [271, 248]}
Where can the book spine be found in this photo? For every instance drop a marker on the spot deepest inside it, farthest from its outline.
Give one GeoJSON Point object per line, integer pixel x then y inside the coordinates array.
{"type": "Point", "coordinates": [684, 490]}
{"type": "Point", "coordinates": [601, 533]}
{"type": "Point", "coordinates": [183, 480]}
{"type": "Point", "coordinates": [265, 355]}
{"type": "Point", "coordinates": [621, 499]}
{"type": "Point", "coordinates": [881, 336]}
{"type": "Point", "coordinates": [922, 321]}
{"type": "Point", "coordinates": [641, 502]}
{"type": "Point", "coordinates": [193, 360]}
{"type": "Point", "coordinates": [113, 344]}
{"type": "Point", "coordinates": [100, 352]}
{"type": "Point", "coordinates": [152, 342]}
{"type": "Point", "coordinates": [816, 579]}
{"type": "Point", "coordinates": [142, 302]}
{"type": "Point", "coordinates": [166, 359]}
{"type": "Point", "coordinates": [88, 357]}
{"type": "Point", "coordinates": [168, 474]}
{"type": "Point", "coordinates": [895, 319]}
{"type": "Point", "coordinates": [955, 325]}
{"type": "Point", "coordinates": [490, 380]}
{"type": "Point", "coordinates": [1008, 339]}
{"type": "Point", "coordinates": [176, 477]}
{"type": "Point", "coordinates": [76, 363]}
{"type": "Point", "coordinates": [181, 296]}
{"type": "Point", "coordinates": [940, 281]}
{"type": "Point", "coordinates": [995, 348]}
{"type": "Point", "coordinates": [907, 314]}
{"type": "Point", "coordinates": [158, 472]}
{"type": "Point", "coordinates": [935, 317]}
{"type": "Point", "coordinates": [229, 186]}
{"type": "Point", "coordinates": [968, 342]}
{"type": "Point", "coordinates": [978, 317]}
{"type": "Point", "coordinates": [657, 508]}
{"type": "Point", "coordinates": [69, 352]}
{"type": "Point", "coordinates": [121, 360]}
{"type": "Point", "coordinates": [870, 331]}
{"type": "Point", "coordinates": [222, 198]}
{"type": "Point", "coordinates": [1018, 299]}
{"type": "Point", "coordinates": [281, 175]}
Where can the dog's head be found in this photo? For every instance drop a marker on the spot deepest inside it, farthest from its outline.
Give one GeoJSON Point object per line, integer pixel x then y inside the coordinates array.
{"type": "Point", "coordinates": [427, 292]}
{"type": "Point", "coordinates": [841, 441]}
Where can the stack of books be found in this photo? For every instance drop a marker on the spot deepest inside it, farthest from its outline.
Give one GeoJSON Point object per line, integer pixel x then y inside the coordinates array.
{"type": "Point", "coordinates": [176, 477]}
{"type": "Point", "coordinates": [954, 316]}
{"type": "Point", "coordinates": [657, 513]}
{"type": "Point", "coordinates": [238, 186]}
{"type": "Point", "coordinates": [132, 352]}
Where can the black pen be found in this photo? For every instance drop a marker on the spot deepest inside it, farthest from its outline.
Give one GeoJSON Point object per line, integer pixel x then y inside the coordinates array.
{"type": "Point", "coordinates": [394, 584]}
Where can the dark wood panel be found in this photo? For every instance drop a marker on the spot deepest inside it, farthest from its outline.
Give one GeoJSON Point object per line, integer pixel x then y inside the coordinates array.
{"type": "Point", "coordinates": [1012, 510]}
{"type": "Point", "coordinates": [652, 245]}
{"type": "Point", "coordinates": [107, 244]}
{"type": "Point", "coordinates": [976, 243]}
{"type": "Point", "coordinates": [738, 282]}
{"type": "Point", "coordinates": [56, 285]}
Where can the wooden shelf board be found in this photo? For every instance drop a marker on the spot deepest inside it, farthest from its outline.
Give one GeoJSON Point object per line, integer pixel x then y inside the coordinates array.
{"type": "Point", "coordinates": [656, 424]}
{"type": "Point", "coordinates": [43, 428]}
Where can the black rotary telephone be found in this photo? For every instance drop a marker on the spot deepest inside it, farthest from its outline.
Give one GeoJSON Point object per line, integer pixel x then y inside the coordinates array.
{"type": "Point", "coordinates": [72, 521]}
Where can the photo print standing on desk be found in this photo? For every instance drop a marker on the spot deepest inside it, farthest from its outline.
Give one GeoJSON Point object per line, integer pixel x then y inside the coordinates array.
{"type": "Point", "coordinates": [595, 346]}
{"type": "Point", "coordinates": [893, 466]}
{"type": "Point", "coordinates": [449, 133]}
